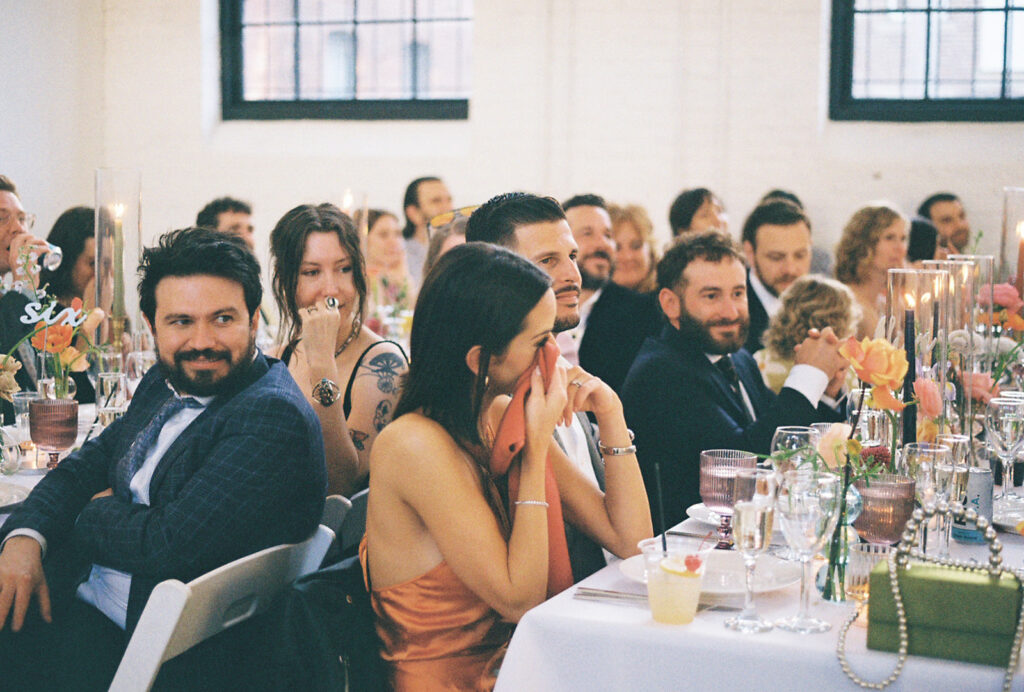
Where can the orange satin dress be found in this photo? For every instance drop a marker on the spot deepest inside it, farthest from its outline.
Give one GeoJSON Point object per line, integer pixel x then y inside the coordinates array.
{"type": "Point", "coordinates": [436, 634]}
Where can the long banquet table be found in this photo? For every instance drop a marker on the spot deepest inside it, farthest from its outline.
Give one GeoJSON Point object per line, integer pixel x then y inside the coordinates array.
{"type": "Point", "coordinates": [571, 644]}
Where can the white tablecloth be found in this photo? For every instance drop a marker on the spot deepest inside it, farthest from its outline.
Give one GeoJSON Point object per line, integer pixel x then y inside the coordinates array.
{"type": "Point", "coordinates": [571, 644]}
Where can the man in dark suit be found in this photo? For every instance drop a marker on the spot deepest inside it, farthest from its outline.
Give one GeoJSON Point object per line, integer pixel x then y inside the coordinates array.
{"type": "Point", "coordinates": [614, 321]}
{"type": "Point", "coordinates": [777, 244]}
{"type": "Point", "coordinates": [693, 388]}
{"type": "Point", "coordinates": [218, 456]}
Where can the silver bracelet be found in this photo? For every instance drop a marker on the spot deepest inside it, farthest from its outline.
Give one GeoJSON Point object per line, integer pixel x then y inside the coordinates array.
{"type": "Point", "coordinates": [618, 451]}
{"type": "Point", "coordinates": [539, 503]}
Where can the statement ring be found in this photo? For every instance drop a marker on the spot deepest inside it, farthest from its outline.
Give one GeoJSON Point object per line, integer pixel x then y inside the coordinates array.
{"type": "Point", "coordinates": [331, 302]}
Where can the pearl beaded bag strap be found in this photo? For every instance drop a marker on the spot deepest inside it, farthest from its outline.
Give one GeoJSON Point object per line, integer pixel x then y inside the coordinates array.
{"type": "Point", "coordinates": [898, 560]}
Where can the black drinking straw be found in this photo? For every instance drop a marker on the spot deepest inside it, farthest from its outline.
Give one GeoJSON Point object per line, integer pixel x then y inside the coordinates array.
{"type": "Point", "coordinates": [661, 506]}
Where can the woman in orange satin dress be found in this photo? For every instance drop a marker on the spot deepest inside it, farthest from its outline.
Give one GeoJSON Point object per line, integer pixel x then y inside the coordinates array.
{"type": "Point", "coordinates": [451, 568]}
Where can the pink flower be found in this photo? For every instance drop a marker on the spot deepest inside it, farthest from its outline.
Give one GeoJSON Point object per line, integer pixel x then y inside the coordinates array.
{"type": "Point", "coordinates": [1004, 295]}
{"type": "Point", "coordinates": [928, 399]}
{"type": "Point", "coordinates": [979, 386]}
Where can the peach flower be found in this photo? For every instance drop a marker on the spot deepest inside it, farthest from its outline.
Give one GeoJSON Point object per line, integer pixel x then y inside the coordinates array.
{"type": "Point", "coordinates": [875, 361]}
{"type": "Point", "coordinates": [980, 386]}
{"type": "Point", "coordinates": [832, 444]}
{"type": "Point", "coordinates": [1003, 295]}
{"type": "Point", "coordinates": [883, 398]}
{"type": "Point", "coordinates": [929, 401]}
{"type": "Point", "coordinates": [52, 339]}
{"type": "Point", "coordinates": [72, 358]}
{"type": "Point", "coordinates": [92, 320]}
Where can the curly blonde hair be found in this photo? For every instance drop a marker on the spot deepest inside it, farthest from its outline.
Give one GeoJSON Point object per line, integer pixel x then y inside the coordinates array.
{"type": "Point", "coordinates": [856, 249]}
{"type": "Point", "coordinates": [811, 302]}
{"type": "Point", "coordinates": [637, 216]}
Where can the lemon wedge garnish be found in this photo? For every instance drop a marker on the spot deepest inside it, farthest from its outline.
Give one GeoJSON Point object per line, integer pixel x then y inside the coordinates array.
{"type": "Point", "coordinates": [677, 566]}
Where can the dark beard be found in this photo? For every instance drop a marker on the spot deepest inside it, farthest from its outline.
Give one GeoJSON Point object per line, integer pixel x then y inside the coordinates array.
{"type": "Point", "coordinates": [204, 384]}
{"type": "Point", "coordinates": [693, 329]}
{"type": "Point", "coordinates": [565, 324]}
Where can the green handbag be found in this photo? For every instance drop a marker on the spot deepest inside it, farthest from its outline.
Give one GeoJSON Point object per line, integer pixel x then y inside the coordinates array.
{"type": "Point", "coordinates": [908, 611]}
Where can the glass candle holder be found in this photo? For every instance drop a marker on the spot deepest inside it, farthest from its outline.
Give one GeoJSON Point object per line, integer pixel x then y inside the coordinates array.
{"type": "Point", "coordinates": [1011, 244]}
{"type": "Point", "coordinates": [916, 319]}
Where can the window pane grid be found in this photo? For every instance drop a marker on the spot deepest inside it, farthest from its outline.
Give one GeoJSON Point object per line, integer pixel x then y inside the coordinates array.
{"type": "Point", "coordinates": [316, 51]}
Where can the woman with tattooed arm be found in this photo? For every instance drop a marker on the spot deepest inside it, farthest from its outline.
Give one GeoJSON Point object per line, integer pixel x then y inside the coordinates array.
{"type": "Point", "coordinates": [351, 376]}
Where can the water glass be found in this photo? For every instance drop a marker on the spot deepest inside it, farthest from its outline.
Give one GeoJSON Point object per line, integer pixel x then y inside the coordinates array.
{"type": "Point", "coordinates": [21, 402]}
{"type": "Point", "coordinates": [808, 509]}
{"type": "Point", "coordinates": [951, 481]}
{"type": "Point", "coordinates": [111, 396]}
{"type": "Point", "coordinates": [753, 516]}
{"type": "Point", "coordinates": [719, 485]}
{"type": "Point", "coordinates": [798, 444]}
{"type": "Point", "coordinates": [1004, 428]}
{"type": "Point", "coordinates": [136, 365]}
{"type": "Point", "coordinates": [863, 558]}
{"type": "Point", "coordinates": [10, 453]}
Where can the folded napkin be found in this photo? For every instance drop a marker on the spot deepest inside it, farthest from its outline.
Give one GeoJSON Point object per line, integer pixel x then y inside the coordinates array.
{"type": "Point", "coordinates": [505, 459]}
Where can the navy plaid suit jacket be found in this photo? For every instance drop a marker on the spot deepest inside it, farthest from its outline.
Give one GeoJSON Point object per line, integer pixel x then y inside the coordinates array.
{"type": "Point", "coordinates": [247, 474]}
{"type": "Point", "coordinates": [679, 404]}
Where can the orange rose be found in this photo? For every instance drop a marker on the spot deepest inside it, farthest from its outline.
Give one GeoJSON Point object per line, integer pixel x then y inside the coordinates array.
{"type": "Point", "coordinates": [52, 339]}
{"type": "Point", "coordinates": [1014, 322]}
{"type": "Point", "coordinates": [883, 398]}
{"type": "Point", "coordinates": [72, 358]}
{"type": "Point", "coordinates": [875, 361]}
{"type": "Point", "coordinates": [76, 304]}
{"type": "Point", "coordinates": [929, 401]}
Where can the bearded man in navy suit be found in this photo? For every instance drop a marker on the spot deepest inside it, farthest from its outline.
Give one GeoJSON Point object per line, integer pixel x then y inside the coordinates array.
{"type": "Point", "coordinates": [218, 456]}
{"type": "Point", "coordinates": [693, 387]}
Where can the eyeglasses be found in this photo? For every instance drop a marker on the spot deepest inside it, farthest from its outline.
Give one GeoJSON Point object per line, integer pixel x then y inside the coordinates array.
{"type": "Point", "coordinates": [449, 216]}
{"type": "Point", "coordinates": [26, 220]}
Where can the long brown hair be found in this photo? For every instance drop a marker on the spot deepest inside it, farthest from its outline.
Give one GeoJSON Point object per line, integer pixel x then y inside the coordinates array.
{"type": "Point", "coordinates": [288, 244]}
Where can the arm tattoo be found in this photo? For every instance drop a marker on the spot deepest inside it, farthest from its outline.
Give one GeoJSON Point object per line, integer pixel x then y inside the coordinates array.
{"type": "Point", "coordinates": [382, 416]}
{"type": "Point", "coordinates": [388, 369]}
{"type": "Point", "coordinates": [358, 439]}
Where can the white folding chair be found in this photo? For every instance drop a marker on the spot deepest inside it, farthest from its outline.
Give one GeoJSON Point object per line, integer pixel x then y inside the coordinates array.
{"type": "Point", "coordinates": [336, 508]}
{"type": "Point", "coordinates": [178, 616]}
{"type": "Point", "coordinates": [354, 526]}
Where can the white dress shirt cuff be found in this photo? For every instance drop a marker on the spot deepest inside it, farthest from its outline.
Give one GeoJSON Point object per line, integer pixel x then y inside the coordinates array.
{"type": "Point", "coordinates": [27, 532]}
{"type": "Point", "coordinates": [809, 381]}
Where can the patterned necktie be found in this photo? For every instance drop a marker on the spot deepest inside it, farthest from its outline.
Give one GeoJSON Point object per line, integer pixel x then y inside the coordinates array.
{"type": "Point", "coordinates": [147, 438]}
{"type": "Point", "coordinates": [724, 364]}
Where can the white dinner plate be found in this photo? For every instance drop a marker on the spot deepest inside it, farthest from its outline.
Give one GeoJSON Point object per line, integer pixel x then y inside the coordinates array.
{"type": "Point", "coordinates": [1007, 519]}
{"type": "Point", "coordinates": [725, 575]}
{"type": "Point", "coordinates": [703, 514]}
{"type": "Point", "coordinates": [13, 494]}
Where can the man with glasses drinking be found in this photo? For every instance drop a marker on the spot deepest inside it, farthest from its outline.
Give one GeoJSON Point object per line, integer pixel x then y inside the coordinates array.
{"type": "Point", "coordinates": [16, 241]}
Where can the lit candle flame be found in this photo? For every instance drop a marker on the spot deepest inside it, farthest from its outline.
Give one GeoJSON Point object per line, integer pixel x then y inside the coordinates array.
{"type": "Point", "coordinates": [118, 211]}
{"type": "Point", "coordinates": [347, 201]}
{"type": "Point", "coordinates": [1020, 230]}
{"type": "Point", "coordinates": [908, 298]}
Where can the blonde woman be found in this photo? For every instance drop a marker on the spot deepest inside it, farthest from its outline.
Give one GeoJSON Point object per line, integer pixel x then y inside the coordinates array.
{"type": "Point", "coordinates": [636, 258]}
{"type": "Point", "coordinates": [873, 242]}
{"type": "Point", "coordinates": [811, 302]}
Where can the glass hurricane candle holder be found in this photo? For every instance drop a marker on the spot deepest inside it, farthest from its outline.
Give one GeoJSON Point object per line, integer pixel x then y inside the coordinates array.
{"type": "Point", "coordinates": [1011, 244]}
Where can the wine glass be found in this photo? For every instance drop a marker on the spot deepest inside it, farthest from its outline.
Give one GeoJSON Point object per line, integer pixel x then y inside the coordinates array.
{"type": "Point", "coordinates": [808, 508]}
{"type": "Point", "coordinates": [951, 481]}
{"type": "Point", "coordinates": [53, 425]}
{"type": "Point", "coordinates": [798, 442]}
{"type": "Point", "coordinates": [1004, 426]}
{"type": "Point", "coordinates": [718, 485]}
{"type": "Point", "coordinates": [111, 397]}
{"type": "Point", "coordinates": [136, 365]}
{"type": "Point", "coordinates": [753, 516]}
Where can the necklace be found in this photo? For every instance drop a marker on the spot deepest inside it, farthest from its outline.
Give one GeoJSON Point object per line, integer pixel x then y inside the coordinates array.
{"type": "Point", "coordinates": [356, 326]}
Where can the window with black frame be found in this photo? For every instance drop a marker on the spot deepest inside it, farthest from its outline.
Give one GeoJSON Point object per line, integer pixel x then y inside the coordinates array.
{"type": "Point", "coordinates": [357, 59]}
{"type": "Point", "coordinates": [918, 60]}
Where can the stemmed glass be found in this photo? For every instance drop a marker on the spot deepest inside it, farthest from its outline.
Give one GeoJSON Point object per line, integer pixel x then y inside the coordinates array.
{"type": "Point", "coordinates": [800, 440]}
{"type": "Point", "coordinates": [753, 515]}
{"type": "Point", "coordinates": [718, 485]}
{"type": "Point", "coordinates": [951, 481]}
{"type": "Point", "coordinates": [136, 365]}
{"type": "Point", "coordinates": [808, 508]}
{"type": "Point", "coordinates": [1004, 426]}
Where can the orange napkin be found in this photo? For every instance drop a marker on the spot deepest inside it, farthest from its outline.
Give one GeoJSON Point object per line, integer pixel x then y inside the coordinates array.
{"type": "Point", "coordinates": [505, 456]}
